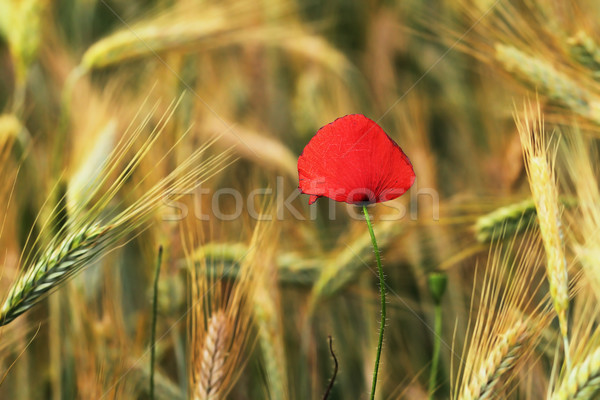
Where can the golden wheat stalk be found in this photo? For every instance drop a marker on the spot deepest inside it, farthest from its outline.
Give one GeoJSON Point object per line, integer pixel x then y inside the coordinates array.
{"type": "Point", "coordinates": [539, 163]}
{"type": "Point", "coordinates": [256, 146]}
{"type": "Point", "coordinates": [266, 311]}
{"type": "Point", "coordinates": [221, 317]}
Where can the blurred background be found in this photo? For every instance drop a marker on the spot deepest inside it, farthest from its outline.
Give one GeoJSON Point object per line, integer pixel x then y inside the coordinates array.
{"type": "Point", "coordinates": [443, 78]}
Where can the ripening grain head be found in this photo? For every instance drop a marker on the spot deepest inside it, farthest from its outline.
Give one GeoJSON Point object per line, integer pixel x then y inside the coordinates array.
{"type": "Point", "coordinates": [540, 163]}
{"type": "Point", "coordinates": [221, 303]}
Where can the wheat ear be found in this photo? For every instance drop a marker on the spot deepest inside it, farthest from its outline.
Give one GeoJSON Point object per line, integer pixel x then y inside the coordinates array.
{"type": "Point", "coordinates": [550, 227]}
{"type": "Point", "coordinates": [583, 382]}
{"type": "Point", "coordinates": [585, 51]}
{"type": "Point", "coordinates": [510, 220]}
{"type": "Point", "coordinates": [544, 190]}
{"type": "Point", "coordinates": [505, 221]}
{"type": "Point", "coordinates": [222, 316]}
{"type": "Point", "coordinates": [214, 352]}
{"type": "Point", "coordinates": [499, 361]}
{"type": "Point", "coordinates": [541, 75]}
{"type": "Point", "coordinates": [53, 268]}
{"type": "Point", "coordinates": [292, 268]}
{"type": "Point", "coordinates": [64, 258]}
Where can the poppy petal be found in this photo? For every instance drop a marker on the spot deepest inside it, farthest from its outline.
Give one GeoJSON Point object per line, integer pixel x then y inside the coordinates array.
{"type": "Point", "coordinates": [353, 160]}
{"type": "Point", "coordinates": [312, 199]}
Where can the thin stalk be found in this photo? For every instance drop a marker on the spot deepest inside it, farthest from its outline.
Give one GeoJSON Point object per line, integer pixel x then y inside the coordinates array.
{"type": "Point", "coordinates": [567, 351]}
{"type": "Point", "coordinates": [154, 313]}
{"type": "Point", "coordinates": [382, 291]}
{"type": "Point", "coordinates": [335, 370]}
{"type": "Point", "coordinates": [437, 328]}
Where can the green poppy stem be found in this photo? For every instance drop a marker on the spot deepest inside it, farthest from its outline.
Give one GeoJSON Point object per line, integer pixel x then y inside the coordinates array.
{"type": "Point", "coordinates": [382, 291]}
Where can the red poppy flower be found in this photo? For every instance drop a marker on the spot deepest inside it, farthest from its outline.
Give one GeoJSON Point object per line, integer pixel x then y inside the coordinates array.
{"type": "Point", "coordinates": [353, 160]}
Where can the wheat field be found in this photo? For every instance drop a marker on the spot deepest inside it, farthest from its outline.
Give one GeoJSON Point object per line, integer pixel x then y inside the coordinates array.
{"type": "Point", "coordinates": [154, 244]}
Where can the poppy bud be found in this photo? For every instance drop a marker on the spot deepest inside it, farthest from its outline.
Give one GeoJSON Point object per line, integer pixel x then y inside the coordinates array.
{"type": "Point", "coordinates": [437, 285]}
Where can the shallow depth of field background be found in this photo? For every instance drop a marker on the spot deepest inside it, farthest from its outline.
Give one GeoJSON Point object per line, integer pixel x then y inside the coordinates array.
{"type": "Point", "coordinates": [445, 79]}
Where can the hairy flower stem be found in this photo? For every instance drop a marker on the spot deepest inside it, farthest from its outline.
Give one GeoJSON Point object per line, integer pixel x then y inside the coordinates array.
{"type": "Point", "coordinates": [382, 290]}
